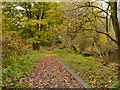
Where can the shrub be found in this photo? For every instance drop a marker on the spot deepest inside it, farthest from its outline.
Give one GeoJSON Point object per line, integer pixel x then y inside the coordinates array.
{"type": "Point", "coordinates": [11, 46]}
{"type": "Point", "coordinates": [18, 67]}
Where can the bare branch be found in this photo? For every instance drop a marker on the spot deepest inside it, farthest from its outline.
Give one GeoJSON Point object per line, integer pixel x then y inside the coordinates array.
{"type": "Point", "coordinates": [100, 16]}
{"type": "Point", "coordinates": [92, 6]}
{"type": "Point", "coordinates": [105, 34]}
{"type": "Point", "coordinates": [102, 33]}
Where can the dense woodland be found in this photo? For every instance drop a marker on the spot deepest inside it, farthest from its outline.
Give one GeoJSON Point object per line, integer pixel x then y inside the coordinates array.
{"type": "Point", "coordinates": [87, 28]}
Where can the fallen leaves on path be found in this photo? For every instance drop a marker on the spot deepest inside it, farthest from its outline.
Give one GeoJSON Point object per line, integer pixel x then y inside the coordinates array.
{"type": "Point", "coordinates": [50, 74]}
{"type": "Point", "coordinates": [106, 79]}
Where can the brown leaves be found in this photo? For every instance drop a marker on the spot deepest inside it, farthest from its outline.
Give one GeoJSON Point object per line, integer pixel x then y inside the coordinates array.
{"type": "Point", "coordinates": [50, 74]}
{"type": "Point", "coordinates": [105, 79]}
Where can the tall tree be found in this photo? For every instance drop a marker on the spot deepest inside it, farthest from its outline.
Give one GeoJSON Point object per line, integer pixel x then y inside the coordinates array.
{"type": "Point", "coordinates": [115, 23]}
{"type": "Point", "coordinates": [35, 22]}
{"type": "Point", "coordinates": [114, 17]}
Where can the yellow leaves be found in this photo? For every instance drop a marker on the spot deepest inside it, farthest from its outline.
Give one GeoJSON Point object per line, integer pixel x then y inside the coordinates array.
{"type": "Point", "coordinates": [12, 7]}
{"type": "Point", "coordinates": [17, 15]}
{"type": "Point", "coordinates": [96, 12]}
{"type": "Point", "coordinates": [24, 21]}
{"type": "Point", "coordinates": [18, 11]}
{"type": "Point", "coordinates": [68, 83]}
{"type": "Point", "coordinates": [41, 21]}
{"type": "Point", "coordinates": [69, 24]}
{"type": "Point", "coordinates": [53, 75]}
{"type": "Point", "coordinates": [23, 18]}
{"type": "Point", "coordinates": [103, 40]}
{"type": "Point", "coordinates": [34, 9]}
{"type": "Point", "coordinates": [111, 10]}
{"type": "Point", "coordinates": [86, 19]}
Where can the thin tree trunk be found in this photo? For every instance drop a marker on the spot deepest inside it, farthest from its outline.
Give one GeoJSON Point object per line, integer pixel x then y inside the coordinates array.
{"type": "Point", "coordinates": [119, 53]}
{"type": "Point", "coordinates": [71, 44]}
{"type": "Point", "coordinates": [41, 27]}
{"type": "Point", "coordinates": [35, 46]}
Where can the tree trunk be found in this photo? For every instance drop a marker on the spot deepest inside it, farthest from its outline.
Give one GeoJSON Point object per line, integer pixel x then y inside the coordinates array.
{"type": "Point", "coordinates": [115, 23]}
{"type": "Point", "coordinates": [41, 27]}
{"type": "Point", "coordinates": [35, 46]}
{"type": "Point", "coordinates": [71, 44]}
{"type": "Point", "coordinates": [119, 53]}
{"type": "Point", "coordinates": [74, 49]}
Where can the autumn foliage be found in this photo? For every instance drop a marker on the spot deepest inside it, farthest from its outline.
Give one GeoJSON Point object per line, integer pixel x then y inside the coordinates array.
{"type": "Point", "coordinates": [11, 46]}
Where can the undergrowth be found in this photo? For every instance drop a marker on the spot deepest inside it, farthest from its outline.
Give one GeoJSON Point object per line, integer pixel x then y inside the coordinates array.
{"type": "Point", "coordinates": [90, 69]}
{"type": "Point", "coordinates": [18, 67]}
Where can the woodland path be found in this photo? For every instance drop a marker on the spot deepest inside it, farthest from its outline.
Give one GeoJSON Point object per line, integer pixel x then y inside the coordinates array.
{"type": "Point", "coordinates": [49, 73]}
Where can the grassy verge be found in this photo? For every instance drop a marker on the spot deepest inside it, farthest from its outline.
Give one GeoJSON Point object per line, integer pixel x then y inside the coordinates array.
{"type": "Point", "coordinates": [97, 74]}
{"type": "Point", "coordinates": [19, 67]}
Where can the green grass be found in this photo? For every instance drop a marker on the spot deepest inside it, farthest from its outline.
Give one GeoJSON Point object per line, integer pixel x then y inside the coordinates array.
{"type": "Point", "coordinates": [89, 69]}
{"type": "Point", "coordinates": [52, 51]}
{"type": "Point", "coordinates": [19, 67]}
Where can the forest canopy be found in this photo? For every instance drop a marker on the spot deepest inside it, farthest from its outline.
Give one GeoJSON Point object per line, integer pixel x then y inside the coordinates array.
{"type": "Point", "coordinates": [76, 25]}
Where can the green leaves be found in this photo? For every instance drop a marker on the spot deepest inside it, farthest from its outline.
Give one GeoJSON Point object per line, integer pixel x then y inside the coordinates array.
{"type": "Point", "coordinates": [90, 70]}
{"type": "Point", "coordinates": [19, 67]}
{"type": "Point", "coordinates": [36, 22]}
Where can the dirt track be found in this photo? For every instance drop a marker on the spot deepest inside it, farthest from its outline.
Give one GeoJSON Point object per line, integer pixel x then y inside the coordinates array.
{"type": "Point", "coordinates": [50, 74]}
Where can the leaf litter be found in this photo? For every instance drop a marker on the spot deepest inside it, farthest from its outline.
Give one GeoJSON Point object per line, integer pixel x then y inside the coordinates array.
{"type": "Point", "coordinates": [49, 73]}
